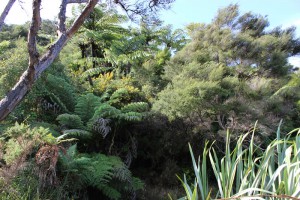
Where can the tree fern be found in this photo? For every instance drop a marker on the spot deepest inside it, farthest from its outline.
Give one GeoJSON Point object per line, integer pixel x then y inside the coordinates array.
{"type": "Point", "coordinates": [99, 122]}
{"type": "Point", "coordinates": [106, 111]}
{"type": "Point", "coordinates": [70, 121]}
{"type": "Point", "coordinates": [85, 106]}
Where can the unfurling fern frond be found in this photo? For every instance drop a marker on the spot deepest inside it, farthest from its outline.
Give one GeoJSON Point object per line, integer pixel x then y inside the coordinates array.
{"type": "Point", "coordinates": [135, 107]}
{"type": "Point", "coordinates": [70, 121]}
{"type": "Point", "coordinates": [86, 105]}
{"type": "Point", "coordinates": [75, 133]}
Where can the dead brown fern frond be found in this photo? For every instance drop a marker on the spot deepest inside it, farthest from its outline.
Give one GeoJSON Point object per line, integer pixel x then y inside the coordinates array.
{"type": "Point", "coordinates": [46, 160]}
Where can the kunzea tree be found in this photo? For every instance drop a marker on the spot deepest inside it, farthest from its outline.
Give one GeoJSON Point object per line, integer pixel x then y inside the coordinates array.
{"type": "Point", "coordinates": [226, 75]}
{"type": "Point", "coordinates": [39, 63]}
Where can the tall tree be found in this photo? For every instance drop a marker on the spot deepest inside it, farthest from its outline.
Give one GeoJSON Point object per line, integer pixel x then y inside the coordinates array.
{"type": "Point", "coordinates": [226, 75]}
{"type": "Point", "coordinates": [37, 64]}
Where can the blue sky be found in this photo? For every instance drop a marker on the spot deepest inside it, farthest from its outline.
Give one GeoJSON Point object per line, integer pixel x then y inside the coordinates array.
{"type": "Point", "coordinates": [279, 12]}
{"type": "Point", "coordinates": [283, 13]}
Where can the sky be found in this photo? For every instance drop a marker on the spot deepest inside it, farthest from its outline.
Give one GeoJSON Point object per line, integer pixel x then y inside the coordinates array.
{"type": "Point", "coordinates": [283, 13]}
{"type": "Point", "coordinates": [279, 12]}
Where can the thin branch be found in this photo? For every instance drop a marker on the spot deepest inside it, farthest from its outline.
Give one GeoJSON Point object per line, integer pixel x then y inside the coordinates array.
{"type": "Point", "coordinates": [142, 8]}
{"type": "Point", "coordinates": [5, 12]}
{"type": "Point", "coordinates": [34, 28]}
{"type": "Point", "coordinates": [80, 19]}
{"type": "Point", "coordinates": [78, 1]}
{"type": "Point", "coordinates": [62, 17]}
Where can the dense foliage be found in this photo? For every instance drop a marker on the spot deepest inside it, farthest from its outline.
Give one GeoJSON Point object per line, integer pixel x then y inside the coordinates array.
{"type": "Point", "coordinates": [113, 115]}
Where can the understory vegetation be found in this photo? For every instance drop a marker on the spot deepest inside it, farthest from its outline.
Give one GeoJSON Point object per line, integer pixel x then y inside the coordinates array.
{"type": "Point", "coordinates": [121, 109]}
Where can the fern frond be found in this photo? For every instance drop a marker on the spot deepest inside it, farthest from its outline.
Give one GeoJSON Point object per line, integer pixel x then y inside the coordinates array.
{"type": "Point", "coordinates": [101, 126]}
{"type": "Point", "coordinates": [110, 192]}
{"type": "Point", "coordinates": [68, 156]}
{"type": "Point", "coordinates": [63, 91]}
{"type": "Point", "coordinates": [107, 173]}
{"type": "Point", "coordinates": [287, 91]}
{"type": "Point", "coordinates": [71, 152]}
{"type": "Point", "coordinates": [86, 105]}
{"type": "Point", "coordinates": [95, 71]}
{"type": "Point", "coordinates": [97, 169]}
{"type": "Point", "coordinates": [137, 183]}
{"type": "Point", "coordinates": [94, 59]}
{"type": "Point", "coordinates": [75, 133]}
{"type": "Point", "coordinates": [106, 111]}
{"type": "Point", "coordinates": [71, 121]}
{"type": "Point", "coordinates": [122, 172]}
{"type": "Point", "coordinates": [135, 107]}
{"type": "Point", "coordinates": [99, 121]}
{"type": "Point", "coordinates": [118, 96]}
{"type": "Point", "coordinates": [131, 116]}
{"type": "Point", "coordinates": [52, 102]}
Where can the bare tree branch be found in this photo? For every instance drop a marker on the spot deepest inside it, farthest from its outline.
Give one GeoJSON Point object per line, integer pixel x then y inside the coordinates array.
{"type": "Point", "coordinates": [80, 19]}
{"type": "Point", "coordinates": [32, 34]}
{"type": "Point", "coordinates": [77, 1]}
{"type": "Point", "coordinates": [143, 7]}
{"type": "Point", "coordinates": [37, 66]}
{"type": "Point", "coordinates": [5, 12]}
{"type": "Point", "coordinates": [54, 49]}
{"type": "Point", "coordinates": [62, 17]}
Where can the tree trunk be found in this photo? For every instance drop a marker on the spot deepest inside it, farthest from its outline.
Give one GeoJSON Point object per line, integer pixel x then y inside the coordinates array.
{"type": "Point", "coordinates": [5, 12]}
{"type": "Point", "coordinates": [39, 64]}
